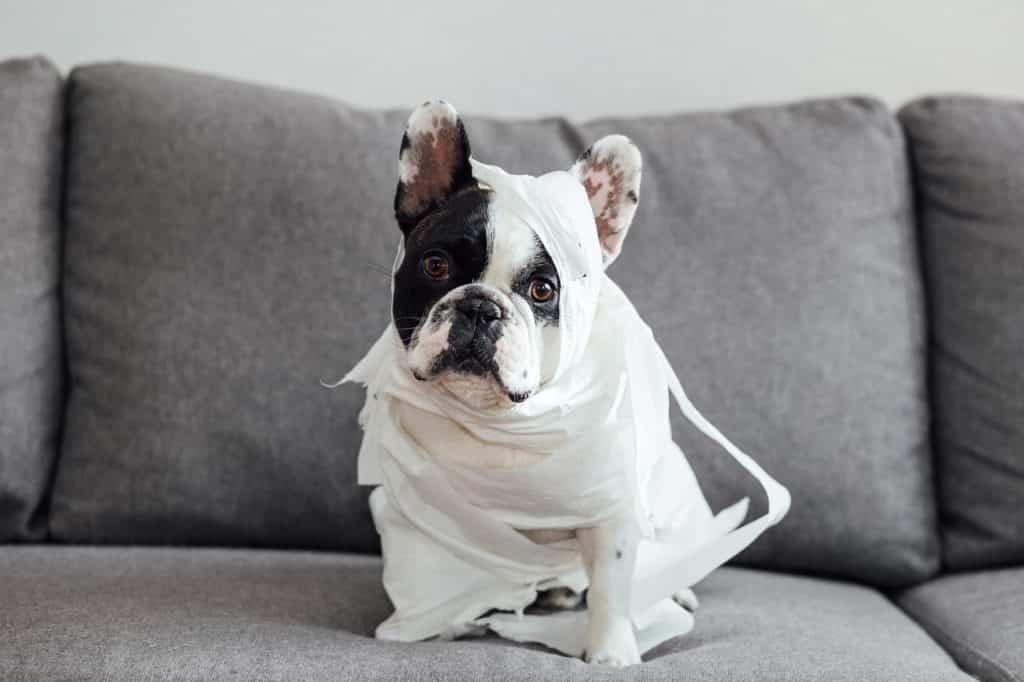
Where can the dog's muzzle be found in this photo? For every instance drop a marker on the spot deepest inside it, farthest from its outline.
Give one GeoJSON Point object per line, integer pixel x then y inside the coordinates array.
{"type": "Point", "coordinates": [480, 310]}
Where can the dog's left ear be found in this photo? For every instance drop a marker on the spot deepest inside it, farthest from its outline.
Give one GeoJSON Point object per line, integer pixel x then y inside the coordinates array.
{"type": "Point", "coordinates": [610, 172]}
{"type": "Point", "coordinates": [433, 162]}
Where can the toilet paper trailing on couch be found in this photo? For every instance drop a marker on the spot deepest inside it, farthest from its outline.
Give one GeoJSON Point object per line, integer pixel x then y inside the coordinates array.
{"type": "Point", "coordinates": [452, 548]}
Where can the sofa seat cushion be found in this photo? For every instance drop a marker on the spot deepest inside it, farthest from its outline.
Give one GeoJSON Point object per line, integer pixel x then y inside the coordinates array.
{"type": "Point", "coordinates": [154, 613]}
{"type": "Point", "coordinates": [978, 617]}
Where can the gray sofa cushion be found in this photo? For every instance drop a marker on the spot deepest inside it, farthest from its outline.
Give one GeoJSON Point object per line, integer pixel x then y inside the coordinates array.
{"type": "Point", "coordinates": [31, 132]}
{"type": "Point", "coordinates": [978, 617]}
{"type": "Point", "coordinates": [969, 159]}
{"type": "Point", "coordinates": [146, 614]}
{"type": "Point", "coordinates": [774, 256]}
{"type": "Point", "coordinates": [226, 247]}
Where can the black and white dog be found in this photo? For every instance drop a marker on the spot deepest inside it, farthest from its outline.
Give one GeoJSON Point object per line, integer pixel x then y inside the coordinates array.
{"type": "Point", "coordinates": [476, 304]}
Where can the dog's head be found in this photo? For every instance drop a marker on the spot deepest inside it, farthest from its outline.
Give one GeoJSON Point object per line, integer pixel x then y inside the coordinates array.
{"type": "Point", "coordinates": [476, 296]}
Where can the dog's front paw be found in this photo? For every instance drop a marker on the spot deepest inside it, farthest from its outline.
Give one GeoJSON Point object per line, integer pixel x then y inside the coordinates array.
{"type": "Point", "coordinates": [614, 645]}
{"type": "Point", "coordinates": [453, 632]}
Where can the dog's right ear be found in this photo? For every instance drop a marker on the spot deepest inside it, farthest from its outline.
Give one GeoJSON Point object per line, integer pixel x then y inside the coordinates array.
{"type": "Point", "coordinates": [433, 162]}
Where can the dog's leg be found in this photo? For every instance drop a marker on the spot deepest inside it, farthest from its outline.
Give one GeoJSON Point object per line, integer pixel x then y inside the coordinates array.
{"type": "Point", "coordinates": [609, 554]}
{"type": "Point", "coordinates": [687, 599]}
{"type": "Point", "coordinates": [558, 598]}
{"type": "Point", "coordinates": [453, 632]}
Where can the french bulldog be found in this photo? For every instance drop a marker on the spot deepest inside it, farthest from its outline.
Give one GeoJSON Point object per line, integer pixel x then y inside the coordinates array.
{"type": "Point", "coordinates": [476, 304]}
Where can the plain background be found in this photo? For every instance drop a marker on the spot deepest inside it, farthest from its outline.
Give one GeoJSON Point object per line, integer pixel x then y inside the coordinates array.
{"type": "Point", "coordinates": [570, 57]}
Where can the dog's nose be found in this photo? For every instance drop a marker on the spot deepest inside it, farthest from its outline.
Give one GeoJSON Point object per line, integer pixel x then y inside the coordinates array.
{"type": "Point", "coordinates": [480, 309]}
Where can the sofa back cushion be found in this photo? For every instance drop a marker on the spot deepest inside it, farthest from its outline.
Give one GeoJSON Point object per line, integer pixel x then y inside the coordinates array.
{"type": "Point", "coordinates": [229, 246]}
{"type": "Point", "coordinates": [31, 130]}
{"type": "Point", "coordinates": [774, 255]}
{"type": "Point", "coordinates": [968, 154]}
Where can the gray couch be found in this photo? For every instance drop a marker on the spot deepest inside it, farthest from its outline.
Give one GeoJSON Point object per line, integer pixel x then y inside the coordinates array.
{"type": "Point", "coordinates": [182, 258]}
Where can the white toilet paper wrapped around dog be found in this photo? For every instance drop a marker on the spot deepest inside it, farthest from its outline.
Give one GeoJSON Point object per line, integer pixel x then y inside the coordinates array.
{"type": "Point", "coordinates": [453, 553]}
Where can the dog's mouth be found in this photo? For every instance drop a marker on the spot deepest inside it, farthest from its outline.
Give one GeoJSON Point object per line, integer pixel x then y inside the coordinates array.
{"type": "Point", "coordinates": [471, 363]}
{"type": "Point", "coordinates": [475, 358]}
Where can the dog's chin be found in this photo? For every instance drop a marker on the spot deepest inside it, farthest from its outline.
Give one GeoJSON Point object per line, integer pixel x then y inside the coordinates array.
{"type": "Point", "coordinates": [479, 390]}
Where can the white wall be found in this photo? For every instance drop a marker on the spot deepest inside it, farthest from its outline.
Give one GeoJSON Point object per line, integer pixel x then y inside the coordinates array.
{"type": "Point", "coordinates": [576, 57]}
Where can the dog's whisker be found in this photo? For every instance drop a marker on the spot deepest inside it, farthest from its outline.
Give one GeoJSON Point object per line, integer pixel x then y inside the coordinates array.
{"type": "Point", "coordinates": [376, 267]}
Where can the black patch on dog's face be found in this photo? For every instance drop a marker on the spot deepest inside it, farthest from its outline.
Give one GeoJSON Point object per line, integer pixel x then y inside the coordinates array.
{"type": "Point", "coordinates": [541, 267]}
{"type": "Point", "coordinates": [458, 230]}
{"type": "Point", "coordinates": [470, 342]}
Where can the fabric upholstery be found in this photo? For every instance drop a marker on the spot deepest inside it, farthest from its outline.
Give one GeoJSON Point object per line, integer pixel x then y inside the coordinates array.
{"type": "Point", "coordinates": [195, 614]}
{"type": "Point", "coordinates": [228, 246]}
{"type": "Point", "coordinates": [223, 255]}
{"type": "Point", "coordinates": [773, 253]}
{"type": "Point", "coordinates": [968, 156]}
{"type": "Point", "coordinates": [978, 617]}
{"type": "Point", "coordinates": [31, 133]}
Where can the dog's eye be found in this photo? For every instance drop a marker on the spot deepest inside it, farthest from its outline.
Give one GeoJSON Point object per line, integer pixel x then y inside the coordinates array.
{"type": "Point", "coordinates": [435, 266]}
{"type": "Point", "coordinates": [542, 290]}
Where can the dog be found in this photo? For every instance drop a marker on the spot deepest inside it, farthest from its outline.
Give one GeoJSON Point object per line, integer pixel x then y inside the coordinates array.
{"type": "Point", "coordinates": [476, 306]}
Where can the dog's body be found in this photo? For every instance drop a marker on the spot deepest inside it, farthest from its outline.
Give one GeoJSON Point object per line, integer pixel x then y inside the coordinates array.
{"type": "Point", "coordinates": [476, 305]}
